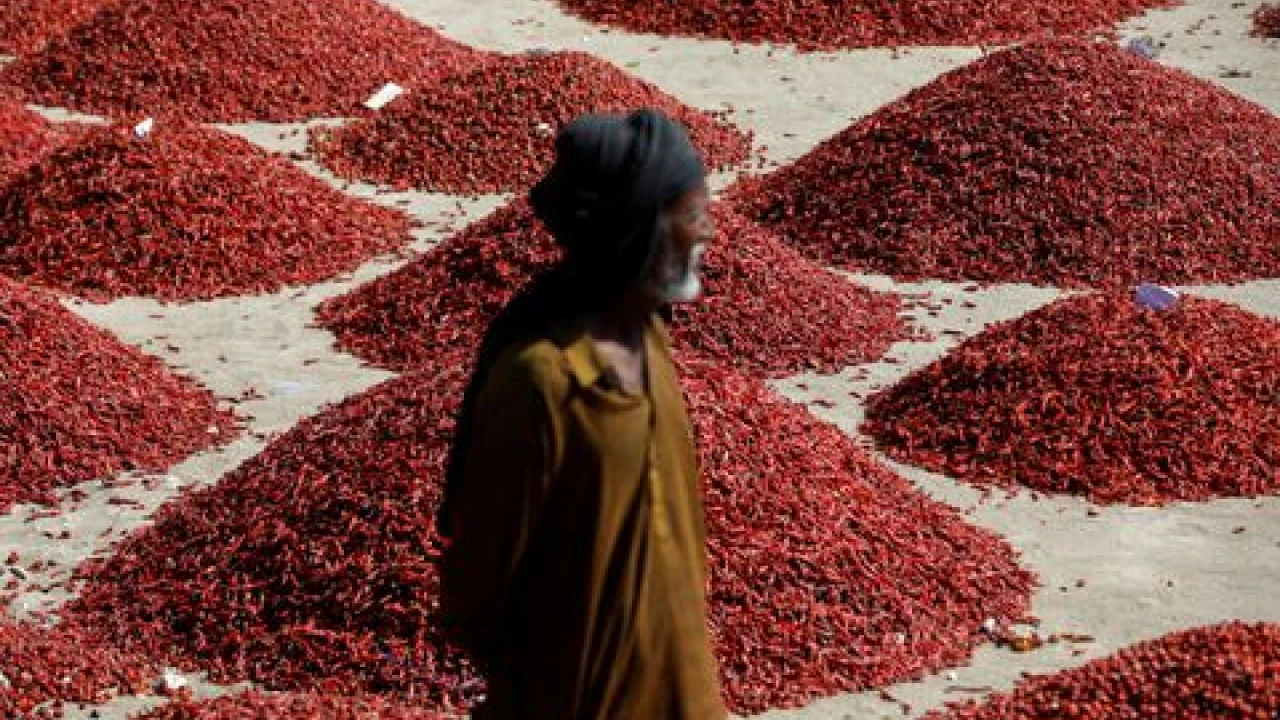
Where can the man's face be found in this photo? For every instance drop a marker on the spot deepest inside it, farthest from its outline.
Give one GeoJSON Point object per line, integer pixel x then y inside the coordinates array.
{"type": "Point", "coordinates": [685, 230]}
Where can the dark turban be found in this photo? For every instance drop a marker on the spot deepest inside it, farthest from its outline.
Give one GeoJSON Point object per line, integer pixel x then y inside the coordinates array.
{"type": "Point", "coordinates": [613, 175]}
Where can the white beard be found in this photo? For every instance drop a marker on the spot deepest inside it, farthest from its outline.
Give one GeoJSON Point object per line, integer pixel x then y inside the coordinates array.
{"type": "Point", "coordinates": [687, 287]}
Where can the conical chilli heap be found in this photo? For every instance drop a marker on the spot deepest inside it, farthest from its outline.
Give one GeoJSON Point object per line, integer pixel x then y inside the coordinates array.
{"type": "Point", "coordinates": [1219, 672]}
{"type": "Point", "coordinates": [76, 404]}
{"type": "Point", "coordinates": [310, 566]}
{"type": "Point", "coordinates": [1098, 396]}
{"type": "Point", "coordinates": [835, 24]}
{"type": "Point", "coordinates": [235, 61]}
{"type": "Point", "coordinates": [829, 573]}
{"type": "Point", "coordinates": [1065, 163]}
{"type": "Point", "coordinates": [765, 309]}
{"type": "Point", "coordinates": [492, 127]}
{"type": "Point", "coordinates": [313, 564]}
{"type": "Point", "coordinates": [184, 213]}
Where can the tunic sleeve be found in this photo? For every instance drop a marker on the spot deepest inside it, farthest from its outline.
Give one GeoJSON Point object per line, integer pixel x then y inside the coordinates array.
{"type": "Point", "coordinates": [506, 479]}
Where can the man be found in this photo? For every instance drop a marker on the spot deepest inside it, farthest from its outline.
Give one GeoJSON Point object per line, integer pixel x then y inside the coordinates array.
{"type": "Point", "coordinates": [576, 570]}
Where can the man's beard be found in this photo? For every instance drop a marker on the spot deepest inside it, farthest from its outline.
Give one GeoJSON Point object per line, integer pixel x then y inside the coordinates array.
{"type": "Point", "coordinates": [687, 287]}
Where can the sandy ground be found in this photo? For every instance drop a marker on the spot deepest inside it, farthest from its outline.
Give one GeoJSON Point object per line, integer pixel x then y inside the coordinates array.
{"type": "Point", "coordinates": [1118, 574]}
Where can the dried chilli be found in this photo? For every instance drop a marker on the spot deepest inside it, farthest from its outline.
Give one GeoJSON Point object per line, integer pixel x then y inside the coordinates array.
{"type": "Point", "coordinates": [835, 24]}
{"type": "Point", "coordinates": [491, 127]}
{"type": "Point", "coordinates": [313, 565]}
{"type": "Point", "coordinates": [24, 137]}
{"type": "Point", "coordinates": [1063, 162]}
{"type": "Point", "coordinates": [186, 213]}
{"type": "Point", "coordinates": [44, 666]}
{"type": "Point", "coordinates": [25, 25]}
{"type": "Point", "coordinates": [829, 573]}
{"type": "Point", "coordinates": [1099, 396]}
{"type": "Point", "coordinates": [766, 309]}
{"type": "Point", "coordinates": [1266, 21]}
{"type": "Point", "coordinates": [1229, 671]}
{"type": "Point", "coordinates": [234, 61]}
{"type": "Point", "coordinates": [76, 404]}
{"type": "Point", "coordinates": [255, 705]}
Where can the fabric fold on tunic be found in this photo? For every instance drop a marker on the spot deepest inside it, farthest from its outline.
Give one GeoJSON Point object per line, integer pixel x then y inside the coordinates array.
{"type": "Point", "coordinates": [576, 573]}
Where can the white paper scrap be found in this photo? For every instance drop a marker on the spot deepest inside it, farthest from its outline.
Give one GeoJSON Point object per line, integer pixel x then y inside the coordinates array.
{"type": "Point", "coordinates": [144, 128]}
{"type": "Point", "coordinates": [288, 388]}
{"type": "Point", "coordinates": [1156, 297]}
{"type": "Point", "coordinates": [389, 92]}
{"type": "Point", "coordinates": [171, 681]}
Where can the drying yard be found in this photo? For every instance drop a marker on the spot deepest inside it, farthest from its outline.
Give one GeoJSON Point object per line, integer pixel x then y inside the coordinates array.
{"type": "Point", "coordinates": [986, 381]}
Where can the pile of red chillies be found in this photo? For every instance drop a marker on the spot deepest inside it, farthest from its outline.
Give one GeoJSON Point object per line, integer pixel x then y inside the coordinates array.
{"type": "Point", "coordinates": [80, 405]}
{"type": "Point", "coordinates": [255, 705]}
{"type": "Point", "coordinates": [25, 25]}
{"type": "Point", "coordinates": [24, 137]}
{"type": "Point", "coordinates": [1099, 396]}
{"type": "Point", "coordinates": [185, 213]}
{"type": "Point", "coordinates": [45, 666]}
{"type": "Point", "coordinates": [1067, 163]}
{"type": "Point", "coordinates": [313, 564]}
{"type": "Point", "coordinates": [829, 573]}
{"type": "Point", "coordinates": [765, 309]}
{"type": "Point", "coordinates": [269, 60]}
{"type": "Point", "coordinates": [491, 127]}
{"type": "Point", "coordinates": [1229, 671]}
{"type": "Point", "coordinates": [310, 566]}
{"type": "Point", "coordinates": [836, 24]}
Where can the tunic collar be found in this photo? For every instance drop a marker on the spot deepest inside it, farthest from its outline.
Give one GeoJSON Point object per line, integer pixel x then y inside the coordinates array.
{"type": "Point", "coordinates": [584, 360]}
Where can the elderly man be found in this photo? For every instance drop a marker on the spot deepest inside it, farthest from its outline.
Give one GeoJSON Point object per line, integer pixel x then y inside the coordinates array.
{"type": "Point", "coordinates": [576, 567]}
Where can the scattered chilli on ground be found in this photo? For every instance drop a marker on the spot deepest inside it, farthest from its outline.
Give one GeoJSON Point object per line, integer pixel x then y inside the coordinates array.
{"type": "Point", "coordinates": [57, 664]}
{"type": "Point", "coordinates": [1266, 21]}
{"type": "Point", "coordinates": [25, 25]}
{"type": "Point", "coordinates": [491, 128]}
{"type": "Point", "coordinates": [254, 705]}
{"type": "Point", "coordinates": [274, 60]}
{"type": "Point", "coordinates": [186, 213]}
{"type": "Point", "coordinates": [1221, 672]}
{"type": "Point", "coordinates": [1096, 395]}
{"type": "Point", "coordinates": [765, 309]}
{"type": "Point", "coordinates": [313, 565]}
{"type": "Point", "coordinates": [24, 137]}
{"type": "Point", "coordinates": [1060, 162]}
{"type": "Point", "coordinates": [835, 24]}
{"type": "Point", "coordinates": [828, 572]}
{"type": "Point", "coordinates": [76, 404]}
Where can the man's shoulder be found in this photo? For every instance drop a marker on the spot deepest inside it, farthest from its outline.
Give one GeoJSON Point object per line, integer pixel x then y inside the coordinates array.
{"type": "Point", "coordinates": [535, 363]}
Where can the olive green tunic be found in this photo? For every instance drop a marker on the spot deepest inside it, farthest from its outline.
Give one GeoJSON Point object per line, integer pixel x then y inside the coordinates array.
{"type": "Point", "coordinates": [577, 571]}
